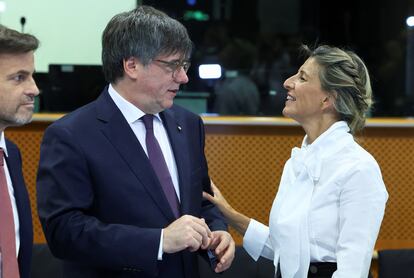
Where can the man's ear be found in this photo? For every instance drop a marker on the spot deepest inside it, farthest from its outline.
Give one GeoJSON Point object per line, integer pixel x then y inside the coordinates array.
{"type": "Point", "coordinates": [131, 67]}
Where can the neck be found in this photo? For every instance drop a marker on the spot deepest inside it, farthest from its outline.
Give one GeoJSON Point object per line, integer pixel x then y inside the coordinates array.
{"type": "Point", "coordinates": [126, 89]}
{"type": "Point", "coordinates": [314, 128]}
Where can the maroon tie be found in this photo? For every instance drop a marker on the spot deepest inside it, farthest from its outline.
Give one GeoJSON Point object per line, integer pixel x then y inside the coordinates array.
{"type": "Point", "coordinates": [159, 165]}
{"type": "Point", "coordinates": [10, 268]}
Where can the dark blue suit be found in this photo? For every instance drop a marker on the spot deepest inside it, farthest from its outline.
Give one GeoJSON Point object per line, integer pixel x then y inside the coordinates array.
{"type": "Point", "coordinates": [14, 164]}
{"type": "Point", "coordinates": [100, 203]}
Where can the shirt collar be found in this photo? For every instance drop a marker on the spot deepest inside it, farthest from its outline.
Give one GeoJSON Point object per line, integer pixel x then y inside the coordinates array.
{"type": "Point", "coordinates": [340, 126]}
{"type": "Point", "coordinates": [3, 143]}
{"type": "Point", "coordinates": [130, 111]}
{"type": "Point", "coordinates": [335, 138]}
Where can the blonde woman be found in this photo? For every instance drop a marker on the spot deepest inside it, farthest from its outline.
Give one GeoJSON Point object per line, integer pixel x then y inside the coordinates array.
{"type": "Point", "coordinates": [330, 204]}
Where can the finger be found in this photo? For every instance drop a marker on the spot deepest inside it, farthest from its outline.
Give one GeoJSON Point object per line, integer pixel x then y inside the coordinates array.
{"type": "Point", "coordinates": [221, 267]}
{"type": "Point", "coordinates": [195, 232]}
{"type": "Point", "coordinates": [215, 189]}
{"type": "Point", "coordinates": [194, 244]}
{"type": "Point", "coordinates": [224, 243]}
{"type": "Point", "coordinates": [227, 254]}
{"type": "Point", "coordinates": [199, 224]}
{"type": "Point", "coordinates": [195, 240]}
{"type": "Point", "coordinates": [201, 228]}
{"type": "Point", "coordinates": [214, 242]}
{"type": "Point", "coordinates": [205, 242]}
{"type": "Point", "coordinates": [208, 197]}
{"type": "Point", "coordinates": [226, 258]}
{"type": "Point", "coordinates": [204, 224]}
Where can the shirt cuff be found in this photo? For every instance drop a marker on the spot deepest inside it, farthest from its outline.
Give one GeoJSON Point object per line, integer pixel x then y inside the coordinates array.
{"type": "Point", "coordinates": [160, 253]}
{"type": "Point", "coordinates": [255, 238]}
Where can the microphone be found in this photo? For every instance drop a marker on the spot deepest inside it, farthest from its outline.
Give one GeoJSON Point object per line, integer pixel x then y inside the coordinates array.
{"type": "Point", "coordinates": [22, 22]}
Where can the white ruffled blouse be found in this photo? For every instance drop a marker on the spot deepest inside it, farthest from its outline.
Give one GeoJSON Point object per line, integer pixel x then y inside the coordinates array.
{"type": "Point", "coordinates": [328, 208]}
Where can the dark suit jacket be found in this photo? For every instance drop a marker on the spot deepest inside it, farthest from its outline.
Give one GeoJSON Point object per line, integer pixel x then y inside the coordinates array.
{"type": "Point", "coordinates": [100, 203]}
{"type": "Point", "coordinates": [14, 163]}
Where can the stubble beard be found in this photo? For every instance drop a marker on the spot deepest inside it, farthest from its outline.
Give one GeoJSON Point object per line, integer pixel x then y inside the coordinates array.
{"type": "Point", "coordinates": [7, 120]}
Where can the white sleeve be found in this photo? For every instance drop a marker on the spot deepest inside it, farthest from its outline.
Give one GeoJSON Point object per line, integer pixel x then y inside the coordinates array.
{"type": "Point", "coordinates": [256, 241]}
{"type": "Point", "coordinates": [362, 205]}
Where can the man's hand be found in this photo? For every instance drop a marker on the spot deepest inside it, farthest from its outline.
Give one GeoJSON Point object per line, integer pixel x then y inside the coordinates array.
{"type": "Point", "coordinates": [186, 232]}
{"type": "Point", "coordinates": [224, 247]}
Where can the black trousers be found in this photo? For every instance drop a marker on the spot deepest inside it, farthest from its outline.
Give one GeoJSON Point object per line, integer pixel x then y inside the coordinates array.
{"type": "Point", "coordinates": [317, 270]}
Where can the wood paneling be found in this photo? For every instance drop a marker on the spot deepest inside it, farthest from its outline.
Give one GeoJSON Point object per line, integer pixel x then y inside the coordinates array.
{"type": "Point", "coordinates": [246, 158]}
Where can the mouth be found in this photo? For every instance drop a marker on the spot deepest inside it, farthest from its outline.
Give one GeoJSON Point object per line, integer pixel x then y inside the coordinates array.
{"type": "Point", "coordinates": [290, 97]}
{"type": "Point", "coordinates": [28, 105]}
{"type": "Point", "coordinates": [173, 91]}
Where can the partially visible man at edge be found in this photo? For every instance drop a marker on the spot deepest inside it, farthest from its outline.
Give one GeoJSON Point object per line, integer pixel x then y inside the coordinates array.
{"type": "Point", "coordinates": [17, 93]}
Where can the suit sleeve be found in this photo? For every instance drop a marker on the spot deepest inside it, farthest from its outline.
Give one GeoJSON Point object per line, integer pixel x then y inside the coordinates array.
{"type": "Point", "coordinates": [209, 212]}
{"type": "Point", "coordinates": [65, 195]}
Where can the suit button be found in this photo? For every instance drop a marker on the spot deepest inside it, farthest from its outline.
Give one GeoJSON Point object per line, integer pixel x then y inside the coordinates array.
{"type": "Point", "coordinates": [313, 269]}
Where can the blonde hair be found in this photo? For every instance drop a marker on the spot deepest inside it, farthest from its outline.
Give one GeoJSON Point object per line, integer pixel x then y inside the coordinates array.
{"type": "Point", "coordinates": [344, 75]}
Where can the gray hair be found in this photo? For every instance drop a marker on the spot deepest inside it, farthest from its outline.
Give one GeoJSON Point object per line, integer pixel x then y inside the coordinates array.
{"type": "Point", "coordinates": [344, 75]}
{"type": "Point", "coordinates": [144, 33]}
{"type": "Point", "coordinates": [13, 42]}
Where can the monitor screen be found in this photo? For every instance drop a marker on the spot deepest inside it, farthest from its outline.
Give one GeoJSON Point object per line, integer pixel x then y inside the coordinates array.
{"type": "Point", "coordinates": [71, 86]}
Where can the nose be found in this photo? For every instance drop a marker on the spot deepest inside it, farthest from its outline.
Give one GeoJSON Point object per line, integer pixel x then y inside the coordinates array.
{"type": "Point", "coordinates": [288, 84]}
{"type": "Point", "coordinates": [32, 88]}
{"type": "Point", "coordinates": [181, 76]}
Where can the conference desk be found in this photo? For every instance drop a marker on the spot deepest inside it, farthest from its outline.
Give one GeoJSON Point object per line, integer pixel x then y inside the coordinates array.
{"type": "Point", "coordinates": [246, 156]}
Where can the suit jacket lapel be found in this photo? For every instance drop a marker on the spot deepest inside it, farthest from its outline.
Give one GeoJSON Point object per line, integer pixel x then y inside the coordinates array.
{"type": "Point", "coordinates": [176, 132]}
{"type": "Point", "coordinates": [16, 176]}
{"type": "Point", "coordinates": [22, 203]}
{"type": "Point", "coordinates": [118, 131]}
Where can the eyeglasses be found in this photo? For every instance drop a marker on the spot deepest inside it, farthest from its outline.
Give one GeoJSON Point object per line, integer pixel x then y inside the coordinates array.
{"type": "Point", "coordinates": [175, 66]}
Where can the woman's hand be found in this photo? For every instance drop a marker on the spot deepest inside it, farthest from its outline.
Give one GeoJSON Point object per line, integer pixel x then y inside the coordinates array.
{"type": "Point", "coordinates": [218, 200]}
{"type": "Point", "coordinates": [238, 221]}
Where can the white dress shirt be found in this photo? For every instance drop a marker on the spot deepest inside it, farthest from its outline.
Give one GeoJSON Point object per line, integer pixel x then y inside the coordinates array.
{"type": "Point", "coordinates": [329, 208]}
{"type": "Point", "coordinates": [11, 194]}
{"type": "Point", "coordinates": [133, 116]}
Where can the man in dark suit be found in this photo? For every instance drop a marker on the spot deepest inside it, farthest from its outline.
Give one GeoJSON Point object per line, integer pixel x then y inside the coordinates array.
{"type": "Point", "coordinates": [107, 208]}
{"type": "Point", "coordinates": [17, 93]}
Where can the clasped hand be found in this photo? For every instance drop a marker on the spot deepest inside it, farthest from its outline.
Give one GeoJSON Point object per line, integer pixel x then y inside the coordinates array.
{"type": "Point", "coordinates": [192, 233]}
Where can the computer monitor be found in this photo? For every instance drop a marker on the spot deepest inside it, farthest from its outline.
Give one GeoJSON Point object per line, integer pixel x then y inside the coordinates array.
{"type": "Point", "coordinates": [71, 86]}
{"type": "Point", "coordinates": [196, 102]}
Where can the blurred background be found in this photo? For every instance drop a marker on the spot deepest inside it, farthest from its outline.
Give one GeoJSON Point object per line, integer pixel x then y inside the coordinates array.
{"type": "Point", "coordinates": [243, 50]}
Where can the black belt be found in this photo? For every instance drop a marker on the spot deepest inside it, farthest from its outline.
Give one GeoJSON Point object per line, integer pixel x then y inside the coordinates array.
{"type": "Point", "coordinates": [317, 270]}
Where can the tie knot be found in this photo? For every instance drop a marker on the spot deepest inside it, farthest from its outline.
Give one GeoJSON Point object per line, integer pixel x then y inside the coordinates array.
{"type": "Point", "coordinates": [147, 119]}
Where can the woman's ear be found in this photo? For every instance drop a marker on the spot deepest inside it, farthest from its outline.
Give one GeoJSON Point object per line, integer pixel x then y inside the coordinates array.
{"type": "Point", "coordinates": [328, 102]}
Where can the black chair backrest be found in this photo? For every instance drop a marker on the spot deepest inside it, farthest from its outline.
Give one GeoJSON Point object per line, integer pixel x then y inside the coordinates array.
{"type": "Point", "coordinates": [398, 263]}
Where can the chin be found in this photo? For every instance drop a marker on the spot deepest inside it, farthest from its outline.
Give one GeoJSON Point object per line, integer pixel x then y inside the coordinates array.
{"type": "Point", "coordinates": [285, 112]}
{"type": "Point", "coordinates": [168, 104]}
{"type": "Point", "coordinates": [23, 119]}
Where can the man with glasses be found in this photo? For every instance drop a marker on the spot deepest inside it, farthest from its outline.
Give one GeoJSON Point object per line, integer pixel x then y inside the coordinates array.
{"type": "Point", "coordinates": [120, 180]}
